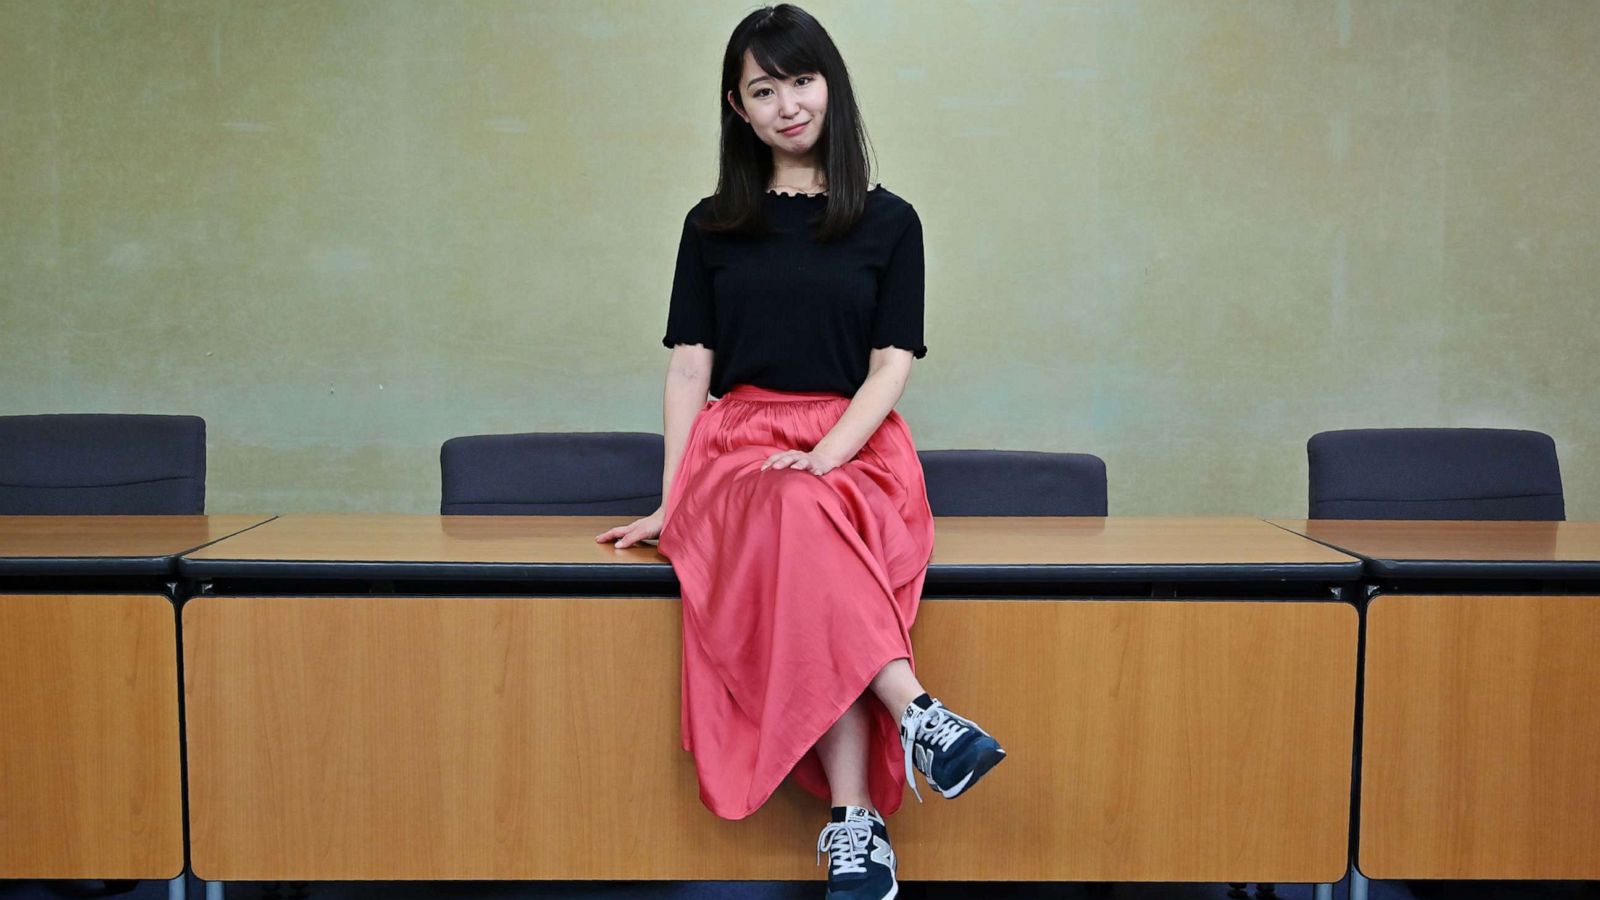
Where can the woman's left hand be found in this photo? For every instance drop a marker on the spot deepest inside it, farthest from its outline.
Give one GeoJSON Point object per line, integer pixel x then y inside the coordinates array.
{"type": "Point", "coordinates": [812, 462]}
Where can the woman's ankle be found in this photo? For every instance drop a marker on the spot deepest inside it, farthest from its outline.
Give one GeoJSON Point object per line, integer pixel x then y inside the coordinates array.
{"type": "Point", "coordinates": [896, 686]}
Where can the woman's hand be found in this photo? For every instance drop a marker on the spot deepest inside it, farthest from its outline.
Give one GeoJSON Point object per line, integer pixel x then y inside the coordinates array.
{"type": "Point", "coordinates": [812, 462]}
{"type": "Point", "coordinates": [645, 529]}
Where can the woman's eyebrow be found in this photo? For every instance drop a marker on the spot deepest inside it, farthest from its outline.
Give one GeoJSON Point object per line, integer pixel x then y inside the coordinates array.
{"type": "Point", "coordinates": [751, 82]}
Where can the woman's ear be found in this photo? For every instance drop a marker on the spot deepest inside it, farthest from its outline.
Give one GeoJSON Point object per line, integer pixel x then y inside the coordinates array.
{"type": "Point", "coordinates": [734, 102]}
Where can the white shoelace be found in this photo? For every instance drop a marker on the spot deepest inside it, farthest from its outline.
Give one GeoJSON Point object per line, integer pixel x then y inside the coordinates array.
{"type": "Point", "coordinates": [846, 845]}
{"type": "Point", "coordinates": [936, 725]}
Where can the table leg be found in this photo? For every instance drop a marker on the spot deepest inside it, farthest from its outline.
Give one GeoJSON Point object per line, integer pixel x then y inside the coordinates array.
{"type": "Point", "coordinates": [1358, 883]}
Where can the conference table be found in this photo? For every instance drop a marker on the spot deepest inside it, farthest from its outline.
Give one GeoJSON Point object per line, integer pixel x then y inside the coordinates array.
{"type": "Point", "coordinates": [1480, 740]}
{"type": "Point", "coordinates": [90, 782]}
{"type": "Point", "coordinates": [465, 697]}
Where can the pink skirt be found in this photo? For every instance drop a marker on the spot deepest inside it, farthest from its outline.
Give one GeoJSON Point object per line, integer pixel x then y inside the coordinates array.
{"type": "Point", "coordinates": [797, 589]}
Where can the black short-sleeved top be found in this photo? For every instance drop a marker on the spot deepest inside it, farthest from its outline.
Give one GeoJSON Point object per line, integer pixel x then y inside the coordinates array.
{"type": "Point", "coordinates": [786, 312]}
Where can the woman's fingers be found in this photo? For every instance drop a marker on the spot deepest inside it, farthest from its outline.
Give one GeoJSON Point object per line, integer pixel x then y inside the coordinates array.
{"type": "Point", "coordinates": [619, 533]}
{"type": "Point", "coordinates": [632, 537]}
{"type": "Point", "coordinates": [786, 459]}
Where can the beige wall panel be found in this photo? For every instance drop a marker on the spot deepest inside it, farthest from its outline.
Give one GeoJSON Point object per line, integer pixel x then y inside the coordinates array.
{"type": "Point", "coordinates": [1181, 234]}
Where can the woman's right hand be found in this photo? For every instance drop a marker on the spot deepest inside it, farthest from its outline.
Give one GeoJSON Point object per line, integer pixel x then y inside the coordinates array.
{"type": "Point", "coordinates": [645, 529]}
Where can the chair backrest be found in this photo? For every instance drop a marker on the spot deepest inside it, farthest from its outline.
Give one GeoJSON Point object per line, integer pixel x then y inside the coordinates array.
{"type": "Point", "coordinates": [552, 474]}
{"type": "Point", "coordinates": [99, 464]}
{"type": "Point", "coordinates": [1014, 483]}
{"type": "Point", "coordinates": [1434, 473]}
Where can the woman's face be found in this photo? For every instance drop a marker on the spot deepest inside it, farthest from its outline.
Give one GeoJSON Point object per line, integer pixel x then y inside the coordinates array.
{"type": "Point", "coordinates": [772, 104]}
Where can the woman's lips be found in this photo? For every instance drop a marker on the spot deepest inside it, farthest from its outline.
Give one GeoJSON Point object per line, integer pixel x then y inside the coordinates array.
{"type": "Point", "coordinates": [791, 132]}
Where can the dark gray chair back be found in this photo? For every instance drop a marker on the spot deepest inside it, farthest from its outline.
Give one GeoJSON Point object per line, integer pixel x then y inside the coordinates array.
{"type": "Point", "coordinates": [1014, 483]}
{"type": "Point", "coordinates": [552, 474]}
{"type": "Point", "coordinates": [1434, 473]}
{"type": "Point", "coordinates": [100, 464]}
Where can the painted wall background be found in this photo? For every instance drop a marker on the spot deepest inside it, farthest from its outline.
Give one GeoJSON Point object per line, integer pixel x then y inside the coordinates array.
{"type": "Point", "coordinates": [1181, 235]}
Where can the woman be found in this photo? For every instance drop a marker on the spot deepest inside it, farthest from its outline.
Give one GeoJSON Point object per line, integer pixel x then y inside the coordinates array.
{"type": "Point", "coordinates": [795, 514]}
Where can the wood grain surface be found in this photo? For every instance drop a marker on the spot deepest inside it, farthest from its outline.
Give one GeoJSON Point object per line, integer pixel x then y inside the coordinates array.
{"type": "Point", "coordinates": [89, 755]}
{"type": "Point", "coordinates": [444, 539]}
{"type": "Point", "coordinates": [1120, 540]}
{"type": "Point", "coordinates": [1481, 747]}
{"type": "Point", "coordinates": [1450, 540]}
{"type": "Point", "coordinates": [527, 738]}
{"type": "Point", "coordinates": [975, 540]}
{"type": "Point", "coordinates": [35, 537]}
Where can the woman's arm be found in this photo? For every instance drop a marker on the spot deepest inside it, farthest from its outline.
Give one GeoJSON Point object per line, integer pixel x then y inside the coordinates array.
{"type": "Point", "coordinates": [888, 371]}
{"type": "Point", "coordinates": [688, 380]}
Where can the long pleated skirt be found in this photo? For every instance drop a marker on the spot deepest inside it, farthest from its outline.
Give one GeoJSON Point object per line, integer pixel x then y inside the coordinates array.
{"type": "Point", "coordinates": [797, 589]}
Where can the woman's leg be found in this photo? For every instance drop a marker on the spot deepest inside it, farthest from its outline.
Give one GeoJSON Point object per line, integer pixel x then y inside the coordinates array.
{"type": "Point", "coordinates": [843, 751]}
{"type": "Point", "coordinates": [951, 751]}
{"type": "Point", "coordinates": [896, 686]}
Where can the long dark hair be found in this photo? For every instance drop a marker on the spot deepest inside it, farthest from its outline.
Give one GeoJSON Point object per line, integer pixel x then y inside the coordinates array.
{"type": "Point", "coordinates": [785, 40]}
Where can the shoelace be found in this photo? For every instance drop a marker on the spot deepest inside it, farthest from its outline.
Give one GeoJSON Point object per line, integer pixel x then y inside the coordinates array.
{"type": "Point", "coordinates": [937, 726]}
{"type": "Point", "coordinates": [846, 845]}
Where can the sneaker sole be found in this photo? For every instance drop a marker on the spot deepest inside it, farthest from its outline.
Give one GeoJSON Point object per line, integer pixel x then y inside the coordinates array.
{"type": "Point", "coordinates": [894, 891]}
{"type": "Point", "coordinates": [985, 763]}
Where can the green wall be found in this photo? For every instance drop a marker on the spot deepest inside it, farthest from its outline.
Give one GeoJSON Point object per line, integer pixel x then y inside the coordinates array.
{"type": "Point", "coordinates": [1181, 235]}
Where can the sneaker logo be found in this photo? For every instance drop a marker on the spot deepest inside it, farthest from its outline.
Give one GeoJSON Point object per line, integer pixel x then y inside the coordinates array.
{"type": "Point", "coordinates": [924, 758]}
{"type": "Point", "coordinates": [882, 853]}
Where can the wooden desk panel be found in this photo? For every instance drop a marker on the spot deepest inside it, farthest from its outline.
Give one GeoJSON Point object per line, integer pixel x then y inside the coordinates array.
{"type": "Point", "coordinates": [1481, 747]}
{"type": "Point", "coordinates": [433, 738]}
{"type": "Point", "coordinates": [89, 755]}
{"type": "Point", "coordinates": [1161, 741]}
{"type": "Point", "coordinates": [114, 536]}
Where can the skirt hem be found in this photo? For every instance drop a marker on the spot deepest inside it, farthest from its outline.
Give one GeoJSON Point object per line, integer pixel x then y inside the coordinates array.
{"type": "Point", "coordinates": [789, 766]}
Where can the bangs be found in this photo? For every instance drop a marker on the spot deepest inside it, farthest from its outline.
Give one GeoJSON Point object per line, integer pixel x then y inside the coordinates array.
{"type": "Point", "coordinates": [783, 52]}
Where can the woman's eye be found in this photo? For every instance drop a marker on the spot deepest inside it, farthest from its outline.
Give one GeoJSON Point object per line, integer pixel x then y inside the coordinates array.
{"type": "Point", "coordinates": [798, 81]}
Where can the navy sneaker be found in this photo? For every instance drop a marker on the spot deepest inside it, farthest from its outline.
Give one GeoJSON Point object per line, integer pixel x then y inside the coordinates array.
{"type": "Point", "coordinates": [950, 751]}
{"type": "Point", "coordinates": [860, 861]}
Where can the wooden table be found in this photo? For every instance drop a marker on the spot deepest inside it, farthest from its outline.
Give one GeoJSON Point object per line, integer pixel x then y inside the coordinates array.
{"type": "Point", "coordinates": [89, 785]}
{"type": "Point", "coordinates": [120, 546]}
{"type": "Point", "coordinates": [1481, 733]}
{"type": "Point", "coordinates": [1154, 734]}
{"type": "Point", "coordinates": [996, 552]}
